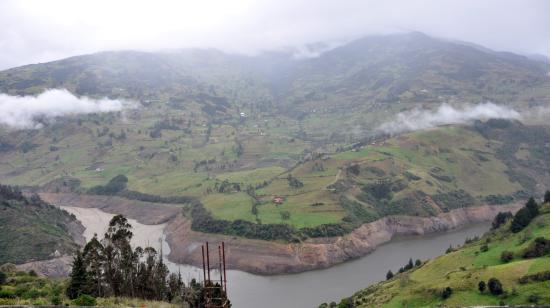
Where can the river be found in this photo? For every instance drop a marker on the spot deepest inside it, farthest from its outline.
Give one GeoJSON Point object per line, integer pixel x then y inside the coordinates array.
{"type": "Point", "coordinates": [307, 289]}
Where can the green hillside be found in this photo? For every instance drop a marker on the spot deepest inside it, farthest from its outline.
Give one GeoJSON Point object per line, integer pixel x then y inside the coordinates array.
{"type": "Point", "coordinates": [519, 261]}
{"type": "Point", "coordinates": [231, 133]}
{"type": "Point", "coordinates": [32, 230]}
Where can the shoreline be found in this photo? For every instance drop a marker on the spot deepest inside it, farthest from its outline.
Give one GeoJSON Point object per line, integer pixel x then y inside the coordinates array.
{"type": "Point", "coordinates": [273, 258]}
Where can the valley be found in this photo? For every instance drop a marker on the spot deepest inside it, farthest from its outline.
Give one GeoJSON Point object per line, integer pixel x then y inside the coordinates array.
{"type": "Point", "coordinates": [287, 159]}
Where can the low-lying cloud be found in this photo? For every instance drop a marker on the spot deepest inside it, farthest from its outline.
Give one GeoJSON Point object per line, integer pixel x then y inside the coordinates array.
{"type": "Point", "coordinates": [418, 119]}
{"type": "Point", "coordinates": [24, 112]}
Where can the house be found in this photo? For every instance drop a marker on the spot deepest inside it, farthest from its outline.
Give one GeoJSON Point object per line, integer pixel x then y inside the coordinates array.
{"type": "Point", "coordinates": [278, 200]}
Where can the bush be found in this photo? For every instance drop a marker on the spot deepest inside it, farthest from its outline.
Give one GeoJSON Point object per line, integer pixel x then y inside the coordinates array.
{"type": "Point", "coordinates": [389, 275]}
{"type": "Point", "coordinates": [506, 256]}
{"type": "Point", "coordinates": [547, 196]}
{"type": "Point", "coordinates": [447, 293]}
{"type": "Point", "coordinates": [56, 300]}
{"type": "Point", "coordinates": [7, 294]}
{"type": "Point", "coordinates": [495, 287]}
{"type": "Point", "coordinates": [533, 298]}
{"type": "Point", "coordinates": [538, 248]}
{"type": "Point", "coordinates": [481, 286]}
{"type": "Point", "coordinates": [484, 248]}
{"type": "Point", "coordinates": [85, 300]}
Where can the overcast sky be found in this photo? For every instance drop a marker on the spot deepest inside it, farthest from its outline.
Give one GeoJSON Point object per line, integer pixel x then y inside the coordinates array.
{"type": "Point", "coordinates": [39, 31]}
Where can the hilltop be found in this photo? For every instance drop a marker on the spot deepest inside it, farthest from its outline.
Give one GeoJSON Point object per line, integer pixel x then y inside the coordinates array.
{"type": "Point", "coordinates": [518, 261]}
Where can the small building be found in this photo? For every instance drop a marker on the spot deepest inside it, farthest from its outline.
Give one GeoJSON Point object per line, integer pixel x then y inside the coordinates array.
{"type": "Point", "coordinates": [278, 200]}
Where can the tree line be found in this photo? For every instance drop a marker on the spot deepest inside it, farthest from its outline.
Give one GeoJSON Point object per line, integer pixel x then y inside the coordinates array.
{"type": "Point", "coordinates": [111, 267]}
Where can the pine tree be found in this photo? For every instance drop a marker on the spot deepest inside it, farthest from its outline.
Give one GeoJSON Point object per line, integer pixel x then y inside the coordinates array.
{"type": "Point", "coordinates": [547, 196]}
{"type": "Point", "coordinates": [389, 275]}
{"type": "Point", "coordinates": [521, 220]}
{"type": "Point", "coordinates": [78, 282]}
{"type": "Point", "coordinates": [93, 256]}
{"type": "Point", "coordinates": [533, 207]}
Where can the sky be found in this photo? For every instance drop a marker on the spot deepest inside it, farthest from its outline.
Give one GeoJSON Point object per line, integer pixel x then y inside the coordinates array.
{"type": "Point", "coordinates": [33, 31]}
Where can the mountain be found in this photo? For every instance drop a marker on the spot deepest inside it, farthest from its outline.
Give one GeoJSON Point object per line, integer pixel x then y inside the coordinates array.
{"type": "Point", "coordinates": [281, 147]}
{"type": "Point", "coordinates": [33, 230]}
{"type": "Point", "coordinates": [518, 261]}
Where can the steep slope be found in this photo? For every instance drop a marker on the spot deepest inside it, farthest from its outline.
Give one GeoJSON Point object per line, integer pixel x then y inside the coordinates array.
{"type": "Point", "coordinates": [519, 261]}
{"type": "Point", "coordinates": [32, 230]}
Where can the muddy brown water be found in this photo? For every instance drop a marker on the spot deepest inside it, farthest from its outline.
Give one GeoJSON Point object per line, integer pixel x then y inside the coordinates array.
{"type": "Point", "coordinates": [307, 289]}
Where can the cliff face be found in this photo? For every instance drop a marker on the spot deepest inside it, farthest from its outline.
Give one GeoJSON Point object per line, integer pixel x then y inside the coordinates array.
{"type": "Point", "coordinates": [263, 257]}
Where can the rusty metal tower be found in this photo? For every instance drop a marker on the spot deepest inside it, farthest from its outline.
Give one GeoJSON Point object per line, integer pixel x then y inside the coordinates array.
{"type": "Point", "coordinates": [215, 292]}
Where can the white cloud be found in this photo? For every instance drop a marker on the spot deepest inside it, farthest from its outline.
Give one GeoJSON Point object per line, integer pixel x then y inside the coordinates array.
{"type": "Point", "coordinates": [418, 119]}
{"type": "Point", "coordinates": [21, 112]}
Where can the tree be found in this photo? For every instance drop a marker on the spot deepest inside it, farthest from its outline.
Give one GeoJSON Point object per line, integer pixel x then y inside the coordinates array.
{"type": "Point", "coordinates": [93, 255]}
{"type": "Point", "coordinates": [495, 287]}
{"type": "Point", "coordinates": [481, 286]}
{"type": "Point", "coordinates": [506, 256]}
{"type": "Point", "coordinates": [78, 279]}
{"type": "Point", "coordinates": [533, 207]}
{"type": "Point", "coordinates": [547, 196]}
{"type": "Point", "coordinates": [447, 292]}
{"type": "Point", "coordinates": [409, 265]}
{"type": "Point", "coordinates": [521, 220]}
{"type": "Point", "coordinates": [417, 262]}
{"type": "Point", "coordinates": [3, 278]}
{"type": "Point", "coordinates": [389, 275]}
{"type": "Point", "coordinates": [500, 219]}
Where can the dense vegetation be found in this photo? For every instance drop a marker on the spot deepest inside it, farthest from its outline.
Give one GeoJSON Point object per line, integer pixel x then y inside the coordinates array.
{"type": "Point", "coordinates": [502, 267]}
{"type": "Point", "coordinates": [31, 229]}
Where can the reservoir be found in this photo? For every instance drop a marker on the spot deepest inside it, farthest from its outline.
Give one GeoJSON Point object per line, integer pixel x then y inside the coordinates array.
{"type": "Point", "coordinates": [308, 289]}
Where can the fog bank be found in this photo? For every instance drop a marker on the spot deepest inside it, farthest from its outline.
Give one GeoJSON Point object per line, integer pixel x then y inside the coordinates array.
{"type": "Point", "coordinates": [24, 112]}
{"type": "Point", "coordinates": [418, 119]}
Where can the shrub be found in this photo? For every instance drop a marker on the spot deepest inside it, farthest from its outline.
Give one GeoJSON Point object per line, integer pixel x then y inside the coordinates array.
{"type": "Point", "coordinates": [7, 294]}
{"type": "Point", "coordinates": [85, 300]}
{"type": "Point", "coordinates": [538, 248]}
{"type": "Point", "coordinates": [484, 248]}
{"type": "Point", "coordinates": [495, 286]}
{"type": "Point", "coordinates": [447, 293]}
{"type": "Point", "coordinates": [506, 256]}
{"type": "Point", "coordinates": [547, 196]}
{"type": "Point", "coordinates": [533, 298]}
{"type": "Point", "coordinates": [481, 286]}
{"type": "Point", "coordinates": [389, 275]}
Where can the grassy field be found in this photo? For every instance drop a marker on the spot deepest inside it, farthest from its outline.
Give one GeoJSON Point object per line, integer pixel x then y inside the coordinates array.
{"type": "Point", "coordinates": [462, 269]}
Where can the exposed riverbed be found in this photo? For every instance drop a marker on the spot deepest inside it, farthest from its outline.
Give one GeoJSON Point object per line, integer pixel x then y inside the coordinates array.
{"type": "Point", "coordinates": [307, 289]}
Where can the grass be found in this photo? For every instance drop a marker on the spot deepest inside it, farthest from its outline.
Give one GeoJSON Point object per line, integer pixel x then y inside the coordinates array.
{"type": "Point", "coordinates": [463, 269]}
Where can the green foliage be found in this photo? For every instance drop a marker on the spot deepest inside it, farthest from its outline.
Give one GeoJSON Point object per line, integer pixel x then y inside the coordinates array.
{"type": "Point", "coordinates": [495, 286]}
{"type": "Point", "coordinates": [114, 186]}
{"type": "Point", "coordinates": [447, 292]}
{"type": "Point", "coordinates": [294, 182]}
{"type": "Point", "coordinates": [78, 284]}
{"type": "Point", "coordinates": [500, 219]}
{"type": "Point", "coordinates": [31, 229]}
{"type": "Point", "coordinates": [524, 216]}
{"type": "Point", "coordinates": [85, 300]}
{"type": "Point", "coordinates": [389, 275]}
{"type": "Point", "coordinates": [538, 248]}
{"type": "Point", "coordinates": [481, 286]}
{"type": "Point", "coordinates": [3, 278]}
{"type": "Point", "coordinates": [506, 256]}
{"type": "Point", "coordinates": [454, 199]}
{"type": "Point", "coordinates": [547, 196]}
